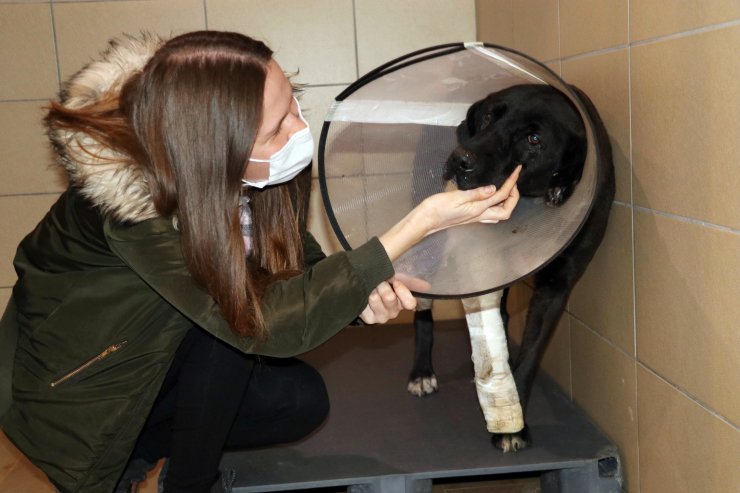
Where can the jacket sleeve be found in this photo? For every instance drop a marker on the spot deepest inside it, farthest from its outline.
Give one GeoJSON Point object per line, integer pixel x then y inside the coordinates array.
{"type": "Point", "coordinates": [300, 312]}
{"type": "Point", "coordinates": [304, 311]}
{"type": "Point", "coordinates": [312, 251]}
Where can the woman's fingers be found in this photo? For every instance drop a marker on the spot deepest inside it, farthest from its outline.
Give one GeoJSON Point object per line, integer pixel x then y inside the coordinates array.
{"type": "Point", "coordinates": [501, 211]}
{"type": "Point", "coordinates": [383, 305]}
{"type": "Point", "coordinates": [407, 300]}
{"type": "Point", "coordinates": [505, 191]}
{"type": "Point", "coordinates": [386, 301]}
{"type": "Point", "coordinates": [414, 283]}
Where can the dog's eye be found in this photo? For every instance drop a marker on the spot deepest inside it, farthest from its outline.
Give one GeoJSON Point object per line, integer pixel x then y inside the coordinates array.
{"type": "Point", "coordinates": [534, 139]}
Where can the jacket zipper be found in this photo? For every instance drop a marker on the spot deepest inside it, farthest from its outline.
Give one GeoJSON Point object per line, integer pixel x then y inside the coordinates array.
{"type": "Point", "coordinates": [106, 352]}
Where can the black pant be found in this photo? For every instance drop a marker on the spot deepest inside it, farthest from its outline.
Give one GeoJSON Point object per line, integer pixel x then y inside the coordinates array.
{"type": "Point", "coordinates": [215, 397]}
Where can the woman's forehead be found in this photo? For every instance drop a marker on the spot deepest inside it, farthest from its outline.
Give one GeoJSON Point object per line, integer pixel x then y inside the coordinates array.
{"type": "Point", "coordinates": [277, 95]}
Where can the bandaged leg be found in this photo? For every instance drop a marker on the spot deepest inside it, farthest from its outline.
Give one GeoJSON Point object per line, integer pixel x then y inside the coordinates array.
{"type": "Point", "coordinates": [494, 382]}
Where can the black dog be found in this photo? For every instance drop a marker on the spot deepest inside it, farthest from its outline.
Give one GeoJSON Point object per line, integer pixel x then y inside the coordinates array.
{"type": "Point", "coordinates": [539, 127]}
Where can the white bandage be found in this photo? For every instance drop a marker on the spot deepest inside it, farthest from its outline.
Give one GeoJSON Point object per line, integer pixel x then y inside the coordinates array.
{"type": "Point", "coordinates": [494, 382]}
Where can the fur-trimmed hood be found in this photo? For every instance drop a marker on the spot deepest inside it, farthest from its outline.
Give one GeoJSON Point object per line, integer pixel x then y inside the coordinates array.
{"type": "Point", "coordinates": [104, 176]}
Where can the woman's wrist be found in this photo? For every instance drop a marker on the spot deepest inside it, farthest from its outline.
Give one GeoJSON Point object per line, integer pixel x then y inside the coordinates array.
{"type": "Point", "coordinates": [406, 233]}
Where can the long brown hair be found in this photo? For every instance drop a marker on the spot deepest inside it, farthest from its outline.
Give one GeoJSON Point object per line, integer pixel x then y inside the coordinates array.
{"type": "Point", "coordinates": [189, 120]}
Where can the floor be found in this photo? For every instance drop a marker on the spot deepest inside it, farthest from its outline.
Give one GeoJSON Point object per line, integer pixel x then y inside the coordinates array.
{"type": "Point", "coordinates": [18, 475]}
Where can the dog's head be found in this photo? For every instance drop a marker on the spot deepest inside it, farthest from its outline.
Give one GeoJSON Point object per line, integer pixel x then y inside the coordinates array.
{"type": "Point", "coordinates": [533, 125]}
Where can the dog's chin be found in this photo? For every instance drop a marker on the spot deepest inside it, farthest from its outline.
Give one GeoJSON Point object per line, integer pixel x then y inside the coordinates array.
{"type": "Point", "coordinates": [463, 183]}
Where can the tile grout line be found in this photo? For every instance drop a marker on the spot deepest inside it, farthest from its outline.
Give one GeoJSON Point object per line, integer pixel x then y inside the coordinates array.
{"type": "Point", "coordinates": [689, 220]}
{"type": "Point", "coordinates": [570, 324]}
{"type": "Point", "coordinates": [560, 40]}
{"type": "Point", "coordinates": [332, 84]}
{"type": "Point", "coordinates": [570, 357]}
{"type": "Point", "coordinates": [653, 40]}
{"type": "Point", "coordinates": [205, 13]}
{"type": "Point", "coordinates": [697, 30]}
{"type": "Point", "coordinates": [632, 239]}
{"type": "Point", "coordinates": [32, 100]}
{"type": "Point", "coordinates": [677, 387]}
{"type": "Point", "coordinates": [29, 194]}
{"type": "Point", "coordinates": [600, 51]}
{"type": "Point", "coordinates": [690, 396]}
{"type": "Point", "coordinates": [56, 45]}
{"type": "Point", "coordinates": [357, 49]}
{"type": "Point", "coordinates": [678, 217]}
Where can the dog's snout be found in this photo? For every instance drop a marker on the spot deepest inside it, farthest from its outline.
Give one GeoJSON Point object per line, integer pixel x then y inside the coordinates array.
{"type": "Point", "coordinates": [464, 159]}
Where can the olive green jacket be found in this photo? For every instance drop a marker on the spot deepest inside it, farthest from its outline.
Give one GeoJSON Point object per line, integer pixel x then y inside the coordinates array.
{"type": "Point", "coordinates": [104, 298]}
{"type": "Point", "coordinates": [99, 310]}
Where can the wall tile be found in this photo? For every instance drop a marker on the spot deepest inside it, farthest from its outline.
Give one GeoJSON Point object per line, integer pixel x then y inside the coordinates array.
{"type": "Point", "coordinates": [683, 447]}
{"type": "Point", "coordinates": [650, 18]}
{"type": "Point", "coordinates": [27, 58]}
{"type": "Point", "coordinates": [77, 45]}
{"type": "Point", "coordinates": [494, 21]}
{"type": "Point", "coordinates": [16, 226]}
{"type": "Point", "coordinates": [517, 305]}
{"type": "Point", "coordinates": [314, 37]}
{"type": "Point", "coordinates": [387, 29]}
{"type": "Point", "coordinates": [28, 160]}
{"type": "Point", "coordinates": [448, 310]}
{"type": "Point", "coordinates": [5, 294]}
{"type": "Point", "coordinates": [589, 25]}
{"type": "Point", "coordinates": [687, 309]}
{"type": "Point", "coordinates": [536, 29]}
{"type": "Point", "coordinates": [315, 104]}
{"type": "Point", "coordinates": [604, 386]}
{"type": "Point", "coordinates": [556, 358]}
{"type": "Point", "coordinates": [684, 99]}
{"type": "Point", "coordinates": [556, 67]}
{"type": "Point", "coordinates": [605, 79]}
{"type": "Point", "coordinates": [319, 225]}
{"type": "Point", "coordinates": [602, 299]}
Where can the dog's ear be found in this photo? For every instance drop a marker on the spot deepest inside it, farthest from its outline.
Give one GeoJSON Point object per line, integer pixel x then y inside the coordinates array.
{"type": "Point", "coordinates": [565, 178]}
{"type": "Point", "coordinates": [466, 129]}
{"type": "Point", "coordinates": [462, 132]}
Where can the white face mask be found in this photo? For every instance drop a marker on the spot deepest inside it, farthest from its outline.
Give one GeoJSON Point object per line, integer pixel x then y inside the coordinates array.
{"type": "Point", "coordinates": [290, 160]}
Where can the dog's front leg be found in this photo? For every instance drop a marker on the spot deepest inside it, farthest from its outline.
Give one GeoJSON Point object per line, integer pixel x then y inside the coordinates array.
{"type": "Point", "coordinates": [494, 381]}
{"type": "Point", "coordinates": [422, 380]}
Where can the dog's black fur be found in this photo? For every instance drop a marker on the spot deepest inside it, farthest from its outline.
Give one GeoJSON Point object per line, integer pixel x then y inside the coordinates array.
{"type": "Point", "coordinates": [539, 127]}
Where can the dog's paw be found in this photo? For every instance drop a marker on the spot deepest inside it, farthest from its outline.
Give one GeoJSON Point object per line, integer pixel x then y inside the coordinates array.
{"type": "Point", "coordinates": [422, 386]}
{"type": "Point", "coordinates": [510, 442]}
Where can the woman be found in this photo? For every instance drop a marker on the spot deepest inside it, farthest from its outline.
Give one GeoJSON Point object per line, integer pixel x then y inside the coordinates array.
{"type": "Point", "coordinates": [147, 290]}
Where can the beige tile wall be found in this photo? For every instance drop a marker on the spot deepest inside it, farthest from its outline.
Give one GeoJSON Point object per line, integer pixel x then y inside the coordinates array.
{"type": "Point", "coordinates": [653, 341]}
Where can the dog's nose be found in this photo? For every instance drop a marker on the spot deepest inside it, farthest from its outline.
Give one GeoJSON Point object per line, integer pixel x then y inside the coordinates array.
{"type": "Point", "coordinates": [464, 159]}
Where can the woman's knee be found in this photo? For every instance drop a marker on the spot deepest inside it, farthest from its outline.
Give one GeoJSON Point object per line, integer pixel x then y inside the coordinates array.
{"type": "Point", "coordinates": [299, 395]}
{"type": "Point", "coordinates": [313, 398]}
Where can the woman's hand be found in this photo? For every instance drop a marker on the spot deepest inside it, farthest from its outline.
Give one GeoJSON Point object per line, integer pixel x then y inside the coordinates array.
{"type": "Point", "coordinates": [479, 205]}
{"type": "Point", "coordinates": [447, 209]}
{"type": "Point", "coordinates": [386, 301]}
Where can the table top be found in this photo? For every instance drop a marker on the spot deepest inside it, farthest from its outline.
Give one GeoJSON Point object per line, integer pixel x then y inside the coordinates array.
{"type": "Point", "coordinates": [376, 428]}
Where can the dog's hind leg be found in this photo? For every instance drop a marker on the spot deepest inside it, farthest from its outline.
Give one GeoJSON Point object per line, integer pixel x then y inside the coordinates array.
{"type": "Point", "coordinates": [422, 380]}
{"type": "Point", "coordinates": [545, 309]}
{"type": "Point", "coordinates": [505, 319]}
